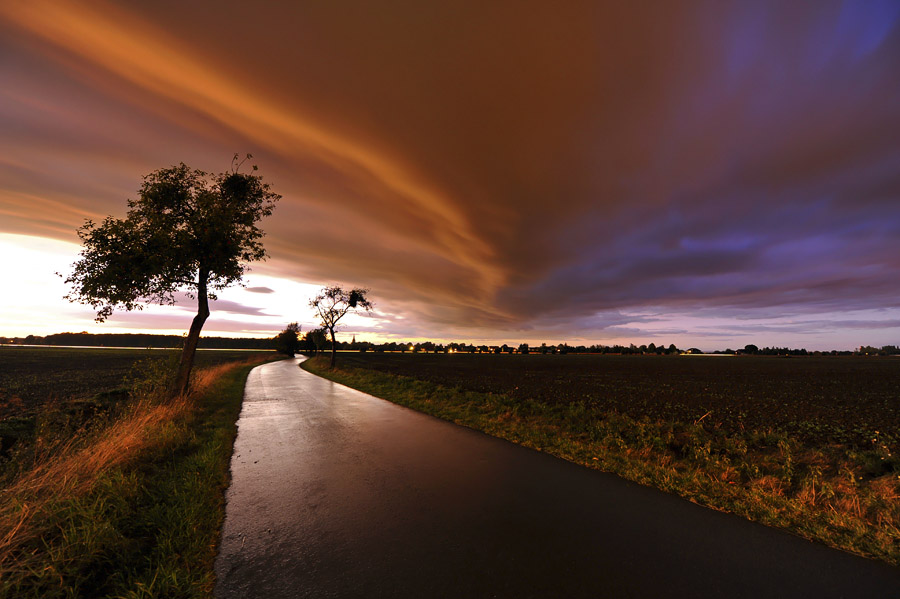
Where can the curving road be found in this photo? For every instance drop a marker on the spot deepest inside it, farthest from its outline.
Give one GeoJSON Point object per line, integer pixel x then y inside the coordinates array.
{"type": "Point", "coordinates": [336, 493]}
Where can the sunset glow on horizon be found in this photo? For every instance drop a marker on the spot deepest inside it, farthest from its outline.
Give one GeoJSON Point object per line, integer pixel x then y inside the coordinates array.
{"type": "Point", "coordinates": [707, 174]}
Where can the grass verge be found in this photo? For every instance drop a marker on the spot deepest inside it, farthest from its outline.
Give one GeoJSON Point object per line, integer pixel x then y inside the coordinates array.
{"type": "Point", "coordinates": [841, 495]}
{"type": "Point", "coordinates": [128, 505]}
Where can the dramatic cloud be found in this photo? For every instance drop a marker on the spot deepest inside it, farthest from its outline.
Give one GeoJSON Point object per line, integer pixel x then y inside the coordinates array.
{"type": "Point", "coordinates": [494, 170]}
{"type": "Point", "coordinates": [169, 322]}
{"type": "Point", "coordinates": [185, 302]}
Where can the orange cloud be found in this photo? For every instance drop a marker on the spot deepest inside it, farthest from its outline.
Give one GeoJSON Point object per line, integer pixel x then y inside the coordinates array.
{"type": "Point", "coordinates": [137, 51]}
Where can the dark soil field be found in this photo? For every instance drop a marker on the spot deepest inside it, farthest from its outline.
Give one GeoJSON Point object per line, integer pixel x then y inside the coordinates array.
{"type": "Point", "coordinates": [32, 376]}
{"type": "Point", "coordinates": [819, 399]}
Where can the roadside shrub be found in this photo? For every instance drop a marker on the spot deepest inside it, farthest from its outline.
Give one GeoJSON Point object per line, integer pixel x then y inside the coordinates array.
{"type": "Point", "coordinates": [150, 378]}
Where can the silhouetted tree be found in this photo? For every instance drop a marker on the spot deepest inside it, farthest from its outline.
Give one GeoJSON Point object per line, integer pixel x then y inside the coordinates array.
{"type": "Point", "coordinates": [288, 341]}
{"type": "Point", "coordinates": [315, 340]}
{"type": "Point", "coordinates": [333, 303]}
{"type": "Point", "coordinates": [188, 231]}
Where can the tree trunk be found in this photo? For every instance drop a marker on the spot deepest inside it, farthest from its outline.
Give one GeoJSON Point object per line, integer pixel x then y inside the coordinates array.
{"type": "Point", "coordinates": [183, 378]}
{"type": "Point", "coordinates": [333, 347]}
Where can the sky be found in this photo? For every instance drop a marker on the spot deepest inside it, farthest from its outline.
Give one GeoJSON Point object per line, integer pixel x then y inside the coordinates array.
{"type": "Point", "coordinates": [708, 174]}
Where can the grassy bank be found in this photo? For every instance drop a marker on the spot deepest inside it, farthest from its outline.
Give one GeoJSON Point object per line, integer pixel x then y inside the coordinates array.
{"type": "Point", "coordinates": [841, 494]}
{"type": "Point", "coordinates": [122, 502]}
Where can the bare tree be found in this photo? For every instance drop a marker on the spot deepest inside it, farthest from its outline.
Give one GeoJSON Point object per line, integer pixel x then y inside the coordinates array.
{"type": "Point", "coordinates": [333, 303]}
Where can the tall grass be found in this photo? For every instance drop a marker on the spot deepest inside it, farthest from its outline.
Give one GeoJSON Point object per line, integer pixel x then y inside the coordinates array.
{"type": "Point", "coordinates": [71, 472]}
{"type": "Point", "coordinates": [129, 506]}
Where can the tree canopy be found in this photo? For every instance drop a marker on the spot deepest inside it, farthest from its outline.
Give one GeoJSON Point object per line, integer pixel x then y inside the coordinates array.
{"type": "Point", "coordinates": [288, 341]}
{"type": "Point", "coordinates": [315, 340]}
{"type": "Point", "coordinates": [188, 231]}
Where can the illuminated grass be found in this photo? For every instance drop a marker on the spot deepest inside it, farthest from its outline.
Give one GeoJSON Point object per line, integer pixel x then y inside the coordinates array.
{"type": "Point", "coordinates": [841, 495]}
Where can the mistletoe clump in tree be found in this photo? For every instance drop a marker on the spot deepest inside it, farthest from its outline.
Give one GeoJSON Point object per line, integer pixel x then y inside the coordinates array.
{"type": "Point", "coordinates": [333, 303]}
{"type": "Point", "coordinates": [188, 231]}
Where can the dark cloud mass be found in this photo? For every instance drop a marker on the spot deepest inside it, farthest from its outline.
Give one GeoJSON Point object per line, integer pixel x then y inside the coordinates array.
{"type": "Point", "coordinates": [492, 167]}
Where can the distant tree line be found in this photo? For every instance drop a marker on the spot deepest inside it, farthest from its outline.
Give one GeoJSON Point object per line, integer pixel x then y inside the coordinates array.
{"type": "Point", "coordinates": [291, 341]}
{"type": "Point", "coordinates": [753, 350]}
{"type": "Point", "coordinates": [141, 340]}
{"type": "Point", "coordinates": [887, 350]}
{"type": "Point", "coordinates": [316, 340]}
{"type": "Point", "coordinates": [865, 350]}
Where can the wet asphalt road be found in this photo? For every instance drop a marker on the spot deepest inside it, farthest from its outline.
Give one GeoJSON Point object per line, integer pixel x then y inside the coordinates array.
{"type": "Point", "coordinates": [339, 494]}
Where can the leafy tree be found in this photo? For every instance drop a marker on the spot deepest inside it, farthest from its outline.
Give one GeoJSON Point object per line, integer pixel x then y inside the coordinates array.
{"type": "Point", "coordinates": [288, 341]}
{"type": "Point", "coordinates": [315, 340]}
{"type": "Point", "coordinates": [333, 303]}
{"type": "Point", "coordinates": [188, 231]}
